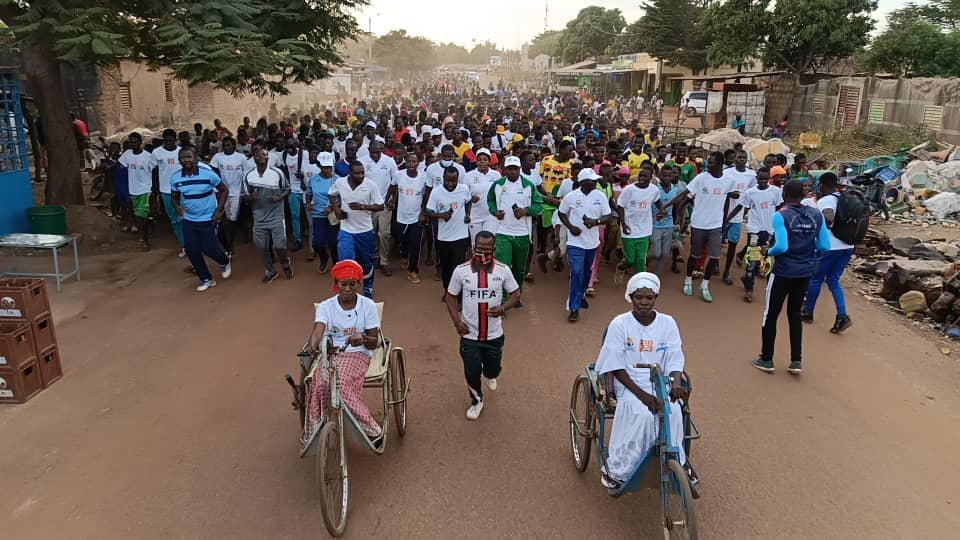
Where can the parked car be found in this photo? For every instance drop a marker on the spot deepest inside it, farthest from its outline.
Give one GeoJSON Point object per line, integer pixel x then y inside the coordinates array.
{"type": "Point", "coordinates": [695, 103]}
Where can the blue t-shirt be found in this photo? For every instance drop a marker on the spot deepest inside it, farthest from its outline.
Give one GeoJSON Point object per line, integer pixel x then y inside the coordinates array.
{"type": "Point", "coordinates": [318, 189]}
{"type": "Point", "coordinates": [341, 169]}
{"type": "Point", "coordinates": [665, 197]}
{"type": "Point", "coordinates": [198, 194]}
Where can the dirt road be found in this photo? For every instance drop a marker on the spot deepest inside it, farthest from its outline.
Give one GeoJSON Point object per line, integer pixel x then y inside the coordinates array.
{"type": "Point", "coordinates": [173, 421]}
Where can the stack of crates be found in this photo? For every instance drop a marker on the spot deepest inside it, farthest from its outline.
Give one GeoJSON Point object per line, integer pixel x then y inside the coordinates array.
{"type": "Point", "coordinates": [29, 356]}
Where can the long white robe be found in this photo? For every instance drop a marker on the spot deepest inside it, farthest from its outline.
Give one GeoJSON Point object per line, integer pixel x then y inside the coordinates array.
{"type": "Point", "coordinates": [635, 428]}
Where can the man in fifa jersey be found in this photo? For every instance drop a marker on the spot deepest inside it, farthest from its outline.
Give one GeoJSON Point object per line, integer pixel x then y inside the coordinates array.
{"type": "Point", "coordinates": [480, 283]}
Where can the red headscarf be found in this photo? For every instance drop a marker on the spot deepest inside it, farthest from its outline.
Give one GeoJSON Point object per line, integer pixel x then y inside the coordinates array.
{"type": "Point", "coordinates": [346, 269]}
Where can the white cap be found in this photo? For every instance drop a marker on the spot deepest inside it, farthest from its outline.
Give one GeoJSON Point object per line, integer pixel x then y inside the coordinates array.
{"type": "Point", "coordinates": [325, 159]}
{"type": "Point", "coordinates": [512, 161]}
{"type": "Point", "coordinates": [427, 128]}
{"type": "Point", "coordinates": [587, 175]}
{"type": "Point", "coordinates": [483, 152]}
{"type": "Point", "coordinates": [436, 132]}
{"type": "Point", "coordinates": [372, 124]}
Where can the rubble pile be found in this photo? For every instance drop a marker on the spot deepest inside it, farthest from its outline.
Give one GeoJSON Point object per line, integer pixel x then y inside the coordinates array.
{"type": "Point", "coordinates": [920, 279]}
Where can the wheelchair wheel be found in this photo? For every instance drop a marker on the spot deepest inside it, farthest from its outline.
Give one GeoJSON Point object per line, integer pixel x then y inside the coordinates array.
{"type": "Point", "coordinates": [582, 422]}
{"type": "Point", "coordinates": [398, 388]}
{"type": "Point", "coordinates": [332, 478]}
{"type": "Point", "coordinates": [680, 520]}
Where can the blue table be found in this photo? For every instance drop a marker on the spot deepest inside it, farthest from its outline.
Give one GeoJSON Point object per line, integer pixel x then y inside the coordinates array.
{"type": "Point", "coordinates": [53, 242]}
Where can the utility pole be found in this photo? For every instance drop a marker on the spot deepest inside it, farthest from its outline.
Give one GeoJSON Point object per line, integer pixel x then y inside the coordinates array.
{"type": "Point", "coordinates": [546, 14]}
{"type": "Point", "coordinates": [370, 40]}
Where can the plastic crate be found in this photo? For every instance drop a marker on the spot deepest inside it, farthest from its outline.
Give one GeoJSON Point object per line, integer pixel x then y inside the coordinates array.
{"type": "Point", "coordinates": [50, 368]}
{"type": "Point", "coordinates": [21, 384]}
{"type": "Point", "coordinates": [22, 299]}
{"type": "Point", "coordinates": [16, 344]}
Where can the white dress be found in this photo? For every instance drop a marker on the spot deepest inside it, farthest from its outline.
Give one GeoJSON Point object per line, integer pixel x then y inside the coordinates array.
{"type": "Point", "coordinates": [634, 427]}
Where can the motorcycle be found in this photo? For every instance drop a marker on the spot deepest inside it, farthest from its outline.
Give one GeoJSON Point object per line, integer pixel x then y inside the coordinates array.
{"type": "Point", "coordinates": [876, 185]}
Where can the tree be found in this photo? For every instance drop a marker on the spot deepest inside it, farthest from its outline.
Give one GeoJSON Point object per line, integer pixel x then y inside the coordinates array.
{"type": "Point", "coordinates": [913, 45]}
{"type": "Point", "coordinates": [668, 30]}
{"type": "Point", "coordinates": [451, 53]}
{"type": "Point", "coordinates": [239, 46]}
{"type": "Point", "coordinates": [481, 52]}
{"type": "Point", "coordinates": [403, 53]}
{"type": "Point", "coordinates": [547, 43]}
{"type": "Point", "coordinates": [590, 33]}
{"type": "Point", "coordinates": [795, 35]}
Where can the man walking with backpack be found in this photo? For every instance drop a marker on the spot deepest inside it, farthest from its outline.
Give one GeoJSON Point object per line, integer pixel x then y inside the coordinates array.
{"type": "Point", "coordinates": [846, 215]}
{"type": "Point", "coordinates": [799, 232]}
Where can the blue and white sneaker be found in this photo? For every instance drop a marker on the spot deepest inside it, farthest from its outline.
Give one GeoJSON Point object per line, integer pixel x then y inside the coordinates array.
{"type": "Point", "coordinates": [206, 284]}
{"type": "Point", "coordinates": [225, 270]}
{"type": "Point", "coordinates": [688, 289]}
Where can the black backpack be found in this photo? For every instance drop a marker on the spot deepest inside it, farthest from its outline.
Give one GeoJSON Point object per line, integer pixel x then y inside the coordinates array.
{"type": "Point", "coordinates": [852, 217]}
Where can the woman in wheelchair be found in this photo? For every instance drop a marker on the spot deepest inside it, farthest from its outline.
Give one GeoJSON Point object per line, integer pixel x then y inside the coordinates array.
{"type": "Point", "coordinates": [640, 336]}
{"type": "Point", "coordinates": [352, 322]}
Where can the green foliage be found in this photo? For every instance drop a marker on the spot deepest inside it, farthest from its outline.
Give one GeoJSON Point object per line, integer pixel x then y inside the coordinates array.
{"type": "Point", "coordinates": [404, 53]}
{"type": "Point", "coordinates": [546, 43]}
{"type": "Point", "coordinates": [238, 45]}
{"type": "Point", "coordinates": [590, 33]}
{"type": "Point", "coordinates": [668, 30]}
{"type": "Point", "coordinates": [913, 45]}
{"type": "Point", "coordinates": [451, 53]}
{"type": "Point", "coordinates": [795, 35]}
{"type": "Point", "coordinates": [481, 52]}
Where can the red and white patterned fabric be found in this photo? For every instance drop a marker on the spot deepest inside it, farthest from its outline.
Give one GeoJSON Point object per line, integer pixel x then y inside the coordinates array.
{"type": "Point", "coordinates": [352, 368]}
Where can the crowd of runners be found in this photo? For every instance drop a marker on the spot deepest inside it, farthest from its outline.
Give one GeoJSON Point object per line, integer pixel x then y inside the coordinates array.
{"type": "Point", "coordinates": [446, 175]}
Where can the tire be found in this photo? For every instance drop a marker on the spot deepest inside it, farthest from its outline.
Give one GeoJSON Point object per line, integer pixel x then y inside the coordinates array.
{"type": "Point", "coordinates": [582, 416]}
{"type": "Point", "coordinates": [679, 519]}
{"type": "Point", "coordinates": [98, 187]}
{"type": "Point", "coordinates": [398, 388]}
{"type": "Point", "coordinates": [691, 111]}
{"type": "Point", "coordinates": [332, 478]}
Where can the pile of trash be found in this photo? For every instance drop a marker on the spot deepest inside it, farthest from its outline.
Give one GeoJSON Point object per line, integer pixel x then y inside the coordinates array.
{"type": "Point", "coordinates": [934, 178]}
{"type": "Point", "coordinates": [921, 279]}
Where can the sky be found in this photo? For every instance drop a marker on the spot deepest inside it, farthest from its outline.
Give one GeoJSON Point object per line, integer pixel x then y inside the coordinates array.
{"type": "Point", "coordinates": [525, 18]}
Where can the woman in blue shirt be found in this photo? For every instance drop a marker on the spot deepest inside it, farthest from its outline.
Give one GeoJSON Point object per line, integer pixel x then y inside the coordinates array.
{"type": "Point", "coordinates": [323, 237]}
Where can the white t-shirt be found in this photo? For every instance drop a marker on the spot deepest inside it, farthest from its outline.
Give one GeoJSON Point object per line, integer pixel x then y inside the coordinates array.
{"type": "Point", "coordinates": [356, 221]}
{"type": "Point", "coordinates": [409, 196]}
{"type": "Point", "coordinates": [167, 163]}
{"type": "Point", "coordinates": [442, 200]}
{"type": "Point", "coordinates": [637, 203]}
{"type": "Point", "coordinates": [577, 205]}
{"type": "Point", "coordinates": [830, 203]}
{"type": "Point", "coordinates": [709, 195]}
{"type": "Point", "coordinates": [628, 343]}
{"type": "Point", "coordinates": [341, 324]}
{"type": "Point", "coordinates": [380, 172]}
{"type": "Point", "coordinates": [291, 162]}
{"type": "Point", "coordinates": [761, 203]}
{"type": "Point", "coordinates": [435, 174]}
{"type": "Point", "coordinates": [508, 195]}
{"type": "Point", "coordinates": [479, 184]}
{"type": "Point", "coordinates": [533, 175]}
{"type": "Point", "coordinates": [742, 181]}
{"type": "Point", "coordinates": [566, 186]}
{"type": "Point", "coordinates": [231, 170]}
{"type": "Point", "coordinates": [480, 290]}
{"type": "Point", "coordinates": [340, 148]}
{"type": "Point", "coordinates": [309, 171]}
{"type": "Point", "coordinates": [140, 167]}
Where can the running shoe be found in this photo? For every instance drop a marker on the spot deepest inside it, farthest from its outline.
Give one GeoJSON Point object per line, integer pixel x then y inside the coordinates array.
{"type": "Point", "coordinates": [474, 411]}
{"type": "Point", "coordinates": [404, 263]}
{"type": "Point", "coordinates": [842, 324]}
{"type": "Point", "coordinates": [574, 316]}
{"type": "Point", "coordinates": [795, 368]}
{"type": "Point", "coordinates": [705, 294]}
{"type": "Point", "coordinates": [584, 304]}
{"type": "Point", "coordinates": [206, 284]}
{"type": "Point", "coordinates": [413, 277]}
{"type": "Point", "coordinates": [288, 272]}
{"type": "Point", "coordinates": [807, 317]}
{"type": "Point", "coordinates": [492, 384]}
{"type": "Point", "coordinates": [225, 270]}
{"type": "Point", "coordinates": [182, 254]}
{"type": "Point", "coordinates": [268, 278]}
{"type": "Point", "coordinates": [590, 291]}
{"type": "Point", "coordinates": [688, 289]}
{"type": "Point", "coordinates": [763, 365]}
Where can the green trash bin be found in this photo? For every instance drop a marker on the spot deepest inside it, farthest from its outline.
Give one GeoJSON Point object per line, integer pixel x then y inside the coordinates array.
{"type": "Point", "coordinates": [51, 219]}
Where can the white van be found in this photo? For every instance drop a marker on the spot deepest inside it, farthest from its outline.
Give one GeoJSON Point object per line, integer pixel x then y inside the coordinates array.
{"type": "Point", "coordinates": [695, 102]}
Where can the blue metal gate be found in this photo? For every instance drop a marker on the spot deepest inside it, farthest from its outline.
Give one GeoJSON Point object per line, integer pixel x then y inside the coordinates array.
{"type": "Point", "coordinates": [15, 192]}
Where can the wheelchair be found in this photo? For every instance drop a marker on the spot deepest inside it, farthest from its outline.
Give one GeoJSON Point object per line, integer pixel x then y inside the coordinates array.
{"type": "Point", "coordinates": [325, 440]}
{"type": "Point", "coordinates": [589, 415]}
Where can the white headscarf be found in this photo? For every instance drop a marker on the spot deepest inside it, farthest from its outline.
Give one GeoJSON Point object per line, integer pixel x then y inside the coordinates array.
{"type": "Point", "coordinates": [642, 280]}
